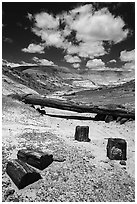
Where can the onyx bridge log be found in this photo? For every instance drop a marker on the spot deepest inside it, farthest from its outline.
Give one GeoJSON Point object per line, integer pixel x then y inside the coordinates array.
{"type": "Point", "coordinates": [114, 110]}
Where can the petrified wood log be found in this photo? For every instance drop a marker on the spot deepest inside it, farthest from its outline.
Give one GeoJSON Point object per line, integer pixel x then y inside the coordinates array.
{"type": "Point", "coordinates": [81, 133]}
{"type": "Point", "coordinates": [116, 149]}
{"type": "Point", "coordinates": [65, 105]}
{"type": "Point", "coordinates": [21, 174]}
{"type": "Point", "coordinates": [37, 159]}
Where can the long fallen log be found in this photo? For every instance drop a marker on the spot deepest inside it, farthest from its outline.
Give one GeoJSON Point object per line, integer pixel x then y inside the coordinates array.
{"type": "Point", "coordinates": [114, 110]}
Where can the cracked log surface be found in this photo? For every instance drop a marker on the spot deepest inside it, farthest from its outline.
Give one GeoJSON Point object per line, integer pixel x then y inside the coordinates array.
{"type": "Point", "coordinates": [21, 174]}
{"type": "Point", "coordinates": [34, 158]}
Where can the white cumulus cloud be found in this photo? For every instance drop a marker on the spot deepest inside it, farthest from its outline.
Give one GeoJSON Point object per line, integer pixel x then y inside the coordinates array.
{"type": "Point", "coordinates": [129, 58]}
{"type": "Point", "coordinates": [99, 25]}
{"type": "Point", "coordinates": [91, 27]}
{"type": "Point", "coordinates": [43, 61]}
{"type": "Point", "coordinates": [129, 66]}
{"type": "Point", "coordinates": [46, 21]}
{"type": "Point", "coordinates": [112, 61]}
{"type": "Point", "coordinates": [95, 63]}
{"type": "Point", "coordinates": [12, 64]}
{"type": "Point", "coordinates": [127, 55]}
{"type": "Point", "coordinates": [72, 59]}
{"type": "Point", "coordinates": [87, 50]}
{"type": "Point", "coordinates": [33, 48]}
{"type": "Point", "coordinates": [76, 65]}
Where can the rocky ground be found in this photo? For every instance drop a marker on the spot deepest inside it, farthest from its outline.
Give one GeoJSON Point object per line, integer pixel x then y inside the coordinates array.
{"type": "Point", "coordinates": [86, 175]}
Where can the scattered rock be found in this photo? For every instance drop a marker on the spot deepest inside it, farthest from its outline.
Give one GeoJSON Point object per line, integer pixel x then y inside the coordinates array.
{"type": "Point", "coordinates": [122, 162]}
{"type": "Point", "coordinates": [59, 159]}
{"type": "Point", "coordinates": [123, 120]}
{"type": "Point", "coordinates": [130, 119]}
{"type": "Point", "coordinates": [32, 106]}
{"type": "Point", "coordinates": [9, 192]}
{"type": "Point", "coordinates": [118, 119]}
{"type": "Point", "coordinates": [116, 152]}
{"type": "Point", "coordinates": [42, 112]}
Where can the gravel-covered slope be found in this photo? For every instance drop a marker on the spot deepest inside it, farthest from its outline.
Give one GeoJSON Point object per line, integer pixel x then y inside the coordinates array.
{"type": "Point", "coordinates": [86, 174]}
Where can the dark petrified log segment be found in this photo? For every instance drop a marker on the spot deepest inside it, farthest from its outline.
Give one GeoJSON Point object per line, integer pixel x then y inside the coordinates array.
{"type": "Point", "coordinates": [21, 174]}
{"type": "Point", "coordinates": [37, 159]}
{"type": "Point", "coordinates": [116, 149]}
{"type": "Point", "coordinates": [81, 133]}
{"type": "Point", "coordinates": [109, 118]}
{"type": "Point", "coordinates": [100, 117]}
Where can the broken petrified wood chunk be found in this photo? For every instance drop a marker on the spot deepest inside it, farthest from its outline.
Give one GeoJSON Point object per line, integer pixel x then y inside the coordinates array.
{"type": "Point", "coordinates": [116, 149]}
{"type": "Point", "coordinates": [81, 133]}
{"type": "Point", "coordinates": [109, 118]}
{"type": "Point", "coordinates": [21, 174]}
{"type": "Point", "coordinates": [118, 119]}
{"type": "Point", "coordinates": [123, 120]}
{"type": "Point", "coordinates": [42, 112]}
{"type": "Point", "coordinates": [39, 160]}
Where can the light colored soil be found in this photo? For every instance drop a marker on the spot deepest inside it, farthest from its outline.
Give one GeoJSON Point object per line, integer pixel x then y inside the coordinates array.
{"type": "Point", "coordinates": [86, 175]}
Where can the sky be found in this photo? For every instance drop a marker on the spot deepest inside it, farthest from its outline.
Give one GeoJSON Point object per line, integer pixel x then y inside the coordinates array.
{"type": "Point", "coordinates": [96, 38]}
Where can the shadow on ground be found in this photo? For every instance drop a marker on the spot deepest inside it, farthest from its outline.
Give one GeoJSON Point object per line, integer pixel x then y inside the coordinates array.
{"type": "Point", "coordinates": [72, 117]}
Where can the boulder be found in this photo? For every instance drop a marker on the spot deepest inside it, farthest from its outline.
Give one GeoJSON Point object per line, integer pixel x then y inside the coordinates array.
{"type": "Point", "coordinates": [122, 162]}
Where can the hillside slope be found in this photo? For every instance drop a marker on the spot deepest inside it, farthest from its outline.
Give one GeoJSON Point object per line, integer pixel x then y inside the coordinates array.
{"type": "Point", "coordinates": [123, 94]}
{"type": "Point", "coordinates": [36, 79]}
{"type": "Point", "coordinates": [61, 82]}
{"type": "Point", "coordinates": [45, 79]}
{"type": "Point", "coordinates": [86, 175]}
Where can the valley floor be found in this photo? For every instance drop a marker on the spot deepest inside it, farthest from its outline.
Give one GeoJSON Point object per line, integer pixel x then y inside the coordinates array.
{"type": "Point", "coordinates": [86, 174]}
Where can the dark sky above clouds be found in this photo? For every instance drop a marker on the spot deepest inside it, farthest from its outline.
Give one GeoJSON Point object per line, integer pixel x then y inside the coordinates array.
{"type": "Point", "coordinates": [94, 37]}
